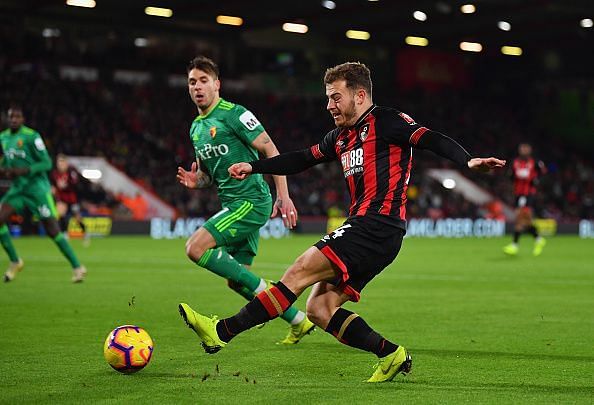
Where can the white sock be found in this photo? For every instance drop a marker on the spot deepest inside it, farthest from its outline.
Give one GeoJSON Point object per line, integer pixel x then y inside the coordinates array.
{"type": "Point", "coordinates": [298, 318]}
{"type": "Point", "coordinates": [261, 287]}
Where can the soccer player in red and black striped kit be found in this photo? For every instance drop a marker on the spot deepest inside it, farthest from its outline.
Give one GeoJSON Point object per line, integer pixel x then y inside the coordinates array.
{"type": "Point", "coordinates": [374, 145]}
{"type": "Point", "coordinates": [525, 172]}
{"type": "Point", "coordinates": [65, 181]}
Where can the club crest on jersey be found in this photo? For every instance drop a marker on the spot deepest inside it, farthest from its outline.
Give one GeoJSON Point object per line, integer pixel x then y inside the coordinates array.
{"type": "Point", "coordinates": [407, 118]}
{"type": "Point", "coordinates": [213, 132]}
{"type": "Point", "coordinates": [20, 143]}
{"type": "Point", "coordinates": [364, 132]}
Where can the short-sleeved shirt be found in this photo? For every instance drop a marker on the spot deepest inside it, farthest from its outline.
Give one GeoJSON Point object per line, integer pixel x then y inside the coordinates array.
{"type": "Point", "coordinates": [376, 158]}
{"type": "Point", "coordinates": [25, 148]}
{"type": "Point", "coordinates": [223, 137]}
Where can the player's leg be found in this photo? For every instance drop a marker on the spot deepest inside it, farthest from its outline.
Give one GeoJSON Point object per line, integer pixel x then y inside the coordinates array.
{"type": "Point", "coordinates": [324, 307]}
{"type": "Point", "coordinates": [244, 252]}
{"type": "Point", "coordinates": [519, 224]}
{"type": "Point", "coordinates": [308, 269]}
{"type": "Point", "coordinates": [62, 209]}
{"type": "Point", "coordinates": [16, 263]}
{"type": "Point", "coordinates": [539, 241]}
{"type": "Point", "coordinates": [43, 205]}
{"type": "Point", "coordinates": [205, 251]}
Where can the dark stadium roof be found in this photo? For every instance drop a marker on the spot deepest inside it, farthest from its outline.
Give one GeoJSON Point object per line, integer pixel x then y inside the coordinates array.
{"type": "Point", "coordinates": [535, 24]}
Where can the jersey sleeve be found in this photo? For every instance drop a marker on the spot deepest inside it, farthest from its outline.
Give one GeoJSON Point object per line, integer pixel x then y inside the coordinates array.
{"type": "Point", "coordinates": [401, 129]}
{"type": "Point", "coordinates": [245, 124]}
{"type": "Point", "coordinates": [325, 151]}
{"type": "Point", "coordinates": [42, 160]}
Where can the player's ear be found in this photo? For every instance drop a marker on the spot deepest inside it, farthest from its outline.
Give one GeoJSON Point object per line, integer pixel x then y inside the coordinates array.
{"type": "Point", "coordinates": [360, 95]}
{"type": "Point", "coordinates": [217, 84]}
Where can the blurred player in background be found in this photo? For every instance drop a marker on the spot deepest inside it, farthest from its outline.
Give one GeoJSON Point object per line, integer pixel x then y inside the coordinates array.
{"type": "Point", "coordinates": [374, 145]}
{"type": "Point", "coordinates": [27, 162]}
{"type": "Point", "coordinates": [225, 133]}
{"type": "Point", "coordinates": [525, 173]}
{"type": "Point", "coordinates": [65, 182]}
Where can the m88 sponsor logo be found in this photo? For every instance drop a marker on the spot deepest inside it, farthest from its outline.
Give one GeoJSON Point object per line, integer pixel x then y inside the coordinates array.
{"type": "Point", "coordinates": [352, 162]}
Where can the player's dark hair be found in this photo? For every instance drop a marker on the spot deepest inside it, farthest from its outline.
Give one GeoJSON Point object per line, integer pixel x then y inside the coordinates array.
{"type": "Point", "coordinates": [355, 74]}
{"type": "Point", "coordinates": [16, 107]}
{"type": "Point", "coordinates": [205, 64]}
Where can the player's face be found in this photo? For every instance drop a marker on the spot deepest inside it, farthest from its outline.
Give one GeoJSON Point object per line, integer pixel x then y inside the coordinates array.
{"type": "Point", "coordinates": [525, 150]}
{"type": "Point", "coordinates": [341, 103]}
{"type": "Point", "coordinates": [62, 164]}
{"type": "Point", "coordinates": [203, 88]}
{"type": "Point", "coordinates": [15, 119]}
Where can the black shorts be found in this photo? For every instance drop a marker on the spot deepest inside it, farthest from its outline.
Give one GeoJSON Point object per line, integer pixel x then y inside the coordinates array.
{"type": "Point", "coordinates": [361, 248]}
{"type": "Point", "coordinates": [525, 201]}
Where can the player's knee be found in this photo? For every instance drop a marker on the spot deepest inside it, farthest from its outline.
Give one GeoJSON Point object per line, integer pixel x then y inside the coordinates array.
{"type": "Point", "coordinates": [194, 251]}
{"type": "Point", "coordinates": [318, 313]}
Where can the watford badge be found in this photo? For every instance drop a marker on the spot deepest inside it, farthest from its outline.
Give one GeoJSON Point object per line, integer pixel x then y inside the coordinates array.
{"type": "Point", "coordinates": [213, 132]}
{"type": "Point", "coordinates": [364, 132]}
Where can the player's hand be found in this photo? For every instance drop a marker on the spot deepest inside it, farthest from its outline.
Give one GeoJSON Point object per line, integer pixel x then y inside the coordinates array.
{"type": "Point", "coordinates": [239, 171]}
{"type": "Point", "coordinates": [287, 209]}
{"type": "Point", "coordinates": [485, 164]}
{"type": "Point", "coordinates": [188, 178]}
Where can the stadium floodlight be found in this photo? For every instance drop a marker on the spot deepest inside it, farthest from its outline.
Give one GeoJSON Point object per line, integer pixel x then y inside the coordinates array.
{"type": "Point", "coordinates": [141, 42]}
{"type": "Point", "coordinates": [416, 41]}
{"type": "Point", "coordinates": [81, 3]}
{"type": "Point", "coordinates": [471, 46]}
{"type": "Point", "coordinates": [587, 23]}
{"type": "Point", "coordinates": [468, 8]}
{"type": "Point", "coordinates": [449, 183]}
{"type": "Point", "coordinates": [356, 34]}
{"type": "Point", "coordinates": [92, 174]}
{"type": "Point", "coordinates": [50, 33]}
{"type": "Point", "coordinates": [158, 11]}
{"type": "Point", "coordinates": [420, 16]}
{"type": "Point", "coordinates": [511, 50]}
{"type": "Point", "coordinates": [504, 25]}
{"type": "Point", "coordinates": [329, 4]}
{"type": "Point", "coordinates": [229, 20]}
{"type": "Point", "coordinates": [294, 27]}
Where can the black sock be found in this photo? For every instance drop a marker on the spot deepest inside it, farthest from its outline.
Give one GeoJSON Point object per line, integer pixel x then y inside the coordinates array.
{"type": "Point", "coordinates": [265, 306]}
{"type": "Point", "coordinates": [82, 226]}
{"type": "Point", "coordinates": [350, 329]}
{"type": "Point", "coordinates": [516, 236]}
{"type": "Point", "coordinates": [532, 231]}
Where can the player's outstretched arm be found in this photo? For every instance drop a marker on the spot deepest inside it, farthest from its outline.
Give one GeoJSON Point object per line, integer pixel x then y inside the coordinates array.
{"type": "Point", "coordinates": [194, 178]}
{"type": "Point", "coordinates": [283, 203]}
{"type": "Point", "coordinates": [448, 148]}
{"type": "Point", "coordinates": [485, 164]}
{"type": "Point", "coordinates": [285, 163]}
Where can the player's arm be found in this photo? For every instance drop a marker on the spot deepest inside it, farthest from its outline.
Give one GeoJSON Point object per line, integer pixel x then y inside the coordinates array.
{"type": "Point", "coordinates": [283, 203]}
{"type": "Point", "coordinates": [196, 177]}
{"type": "Point", "coordinates": [42, 161]}
{"type": "Point", "coordinates": [285, 163]}
{"type": "Point", "coordinates": [448, 148]}
{"type": "Point", "coordinates": [402, 129]}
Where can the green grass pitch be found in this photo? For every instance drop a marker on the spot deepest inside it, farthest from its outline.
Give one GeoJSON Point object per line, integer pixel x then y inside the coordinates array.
{"type": "Point", "coordinates": [482, 327]}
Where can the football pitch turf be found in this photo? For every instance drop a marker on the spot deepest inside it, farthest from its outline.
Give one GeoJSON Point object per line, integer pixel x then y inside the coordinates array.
{"type": "Point", "coordinates": [482, 327]}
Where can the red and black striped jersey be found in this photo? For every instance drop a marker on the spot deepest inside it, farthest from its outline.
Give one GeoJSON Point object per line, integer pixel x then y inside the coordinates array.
{"type": "Point", "coordinates": [525, 173]}
{"type": "Point", "coordinates": [65, 184]}
{"type": "Point", "coordinates": [376, 158]}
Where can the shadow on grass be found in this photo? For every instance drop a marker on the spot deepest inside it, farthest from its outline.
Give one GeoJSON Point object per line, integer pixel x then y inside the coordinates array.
{"type": "Point", "coordinates": [520, 356]}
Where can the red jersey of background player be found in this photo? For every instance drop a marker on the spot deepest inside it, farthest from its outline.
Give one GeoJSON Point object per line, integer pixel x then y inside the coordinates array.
{"type": "Point", "coordinates": [525, 172]}
{"type": "Point", "coordinates": [65, 183]}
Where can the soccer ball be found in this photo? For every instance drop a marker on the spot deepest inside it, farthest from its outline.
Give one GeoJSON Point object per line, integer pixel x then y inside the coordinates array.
{"type": "Point", "coordinates": [128, 348]}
